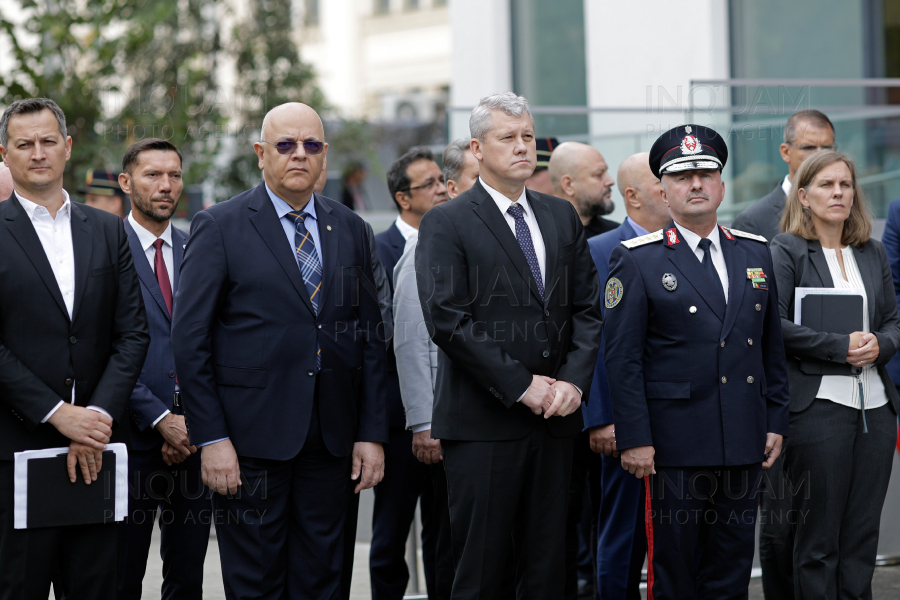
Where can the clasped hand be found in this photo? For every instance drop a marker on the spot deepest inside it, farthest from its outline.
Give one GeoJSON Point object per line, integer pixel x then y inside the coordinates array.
{"type": "Point", "coordinates": [551, 397]}
{"type": "Point", "coordinates": [864, 349]}
{"type": "Point", "coordinates": [89, 431]}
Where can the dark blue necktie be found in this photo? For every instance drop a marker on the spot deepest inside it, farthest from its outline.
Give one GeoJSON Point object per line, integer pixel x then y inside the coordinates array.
{"type": "Point", "coordinates": [523, 235]}
{"type": "Point", "coordinates": [708, 265]}
{"type": "Point", "coordinates": [310, 266]}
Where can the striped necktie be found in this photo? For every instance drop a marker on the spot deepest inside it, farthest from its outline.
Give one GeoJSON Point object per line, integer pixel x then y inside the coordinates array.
{"type": "Point", "coordinates": [310, 266]}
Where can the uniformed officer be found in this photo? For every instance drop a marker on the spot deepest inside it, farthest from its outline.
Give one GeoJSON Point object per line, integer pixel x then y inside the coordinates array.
{"type": "Point", "coordinates": [700, 397]}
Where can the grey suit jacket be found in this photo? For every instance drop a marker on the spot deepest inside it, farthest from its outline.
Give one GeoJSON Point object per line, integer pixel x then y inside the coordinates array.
{"type": "Point", "coordinates": [812, 354]}
{"type": "Point", "coordinates": [763, 217]}
{"type": "Point", "coordinates": [416, 353]}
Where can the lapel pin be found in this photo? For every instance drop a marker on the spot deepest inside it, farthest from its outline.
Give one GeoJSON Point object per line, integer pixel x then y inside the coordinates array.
{"type": "Point", "coordinates": [669, 282]}
{"type": "Point", "coordinates": [328, 227]}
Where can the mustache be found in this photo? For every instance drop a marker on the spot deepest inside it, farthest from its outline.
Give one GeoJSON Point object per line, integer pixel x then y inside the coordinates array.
{"type": "Point", "coordinates": [699, 195]}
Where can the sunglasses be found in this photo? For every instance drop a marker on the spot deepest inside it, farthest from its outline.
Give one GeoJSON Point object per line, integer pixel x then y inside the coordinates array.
{"type": "Point", "coordinates": [286, 147]}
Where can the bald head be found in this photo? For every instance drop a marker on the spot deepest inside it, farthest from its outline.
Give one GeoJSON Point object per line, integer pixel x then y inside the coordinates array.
{"type": "Point", "coordinates": [641, 191]}
{"type": "Point", "coordinates": [6, 182]}
{"type": "Point", "coordinates": [580, 175]}
{"type": "Point", "coordinates": [293, 174]}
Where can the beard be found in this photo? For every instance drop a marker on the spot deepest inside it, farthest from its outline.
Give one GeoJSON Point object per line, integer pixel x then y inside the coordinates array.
{"type": "Point", "coordinates": [598, 206]}
{"type": "Point", "coordinates": [146, 207]}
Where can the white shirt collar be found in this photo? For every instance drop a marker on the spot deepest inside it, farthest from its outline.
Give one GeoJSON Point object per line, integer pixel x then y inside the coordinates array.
{"type": "Point", "coordinates": [405, 228]}
{"type": "Point", "coordinates": [30, 206]}
{"type": "Point", "coordinates": [503, 203]}
{"type": "Point", "coordinates": [145, 237]}
{"type": "Point", "coordinates": [693, 239]}
{"type": "Point", "coordinates": [786, 185]}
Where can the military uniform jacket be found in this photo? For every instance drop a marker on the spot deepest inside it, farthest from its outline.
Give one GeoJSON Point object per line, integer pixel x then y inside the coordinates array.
{"type": "Point", "coordinates": [701, 381]}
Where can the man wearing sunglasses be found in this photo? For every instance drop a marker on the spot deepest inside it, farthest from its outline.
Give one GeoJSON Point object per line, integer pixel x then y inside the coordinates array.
{"type": "Point", "coordinates": [281, 367]}
{"type": "Point", "coordinates": [805, 132]}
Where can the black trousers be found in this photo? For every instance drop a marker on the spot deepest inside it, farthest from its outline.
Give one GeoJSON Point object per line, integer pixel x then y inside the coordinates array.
{"type": "Point", "coordinates": [587, 469]}
{"type": "Point", "coordinates": [515, 488]}
{"type": "Point", "coordinates": [444, 568]}
{"type": "Point", "coordinates": [178, 496]}
{"type": "Point", "coordinates": [700, 532]}
{"type": "Point", "coordinates": [282, 536]}
{"type": "Point", "coordinates": [776, 532]}
{"type": "Point", "coordinates": [840, 478]}
{"type": "Point", "coordinates": [85, 555]}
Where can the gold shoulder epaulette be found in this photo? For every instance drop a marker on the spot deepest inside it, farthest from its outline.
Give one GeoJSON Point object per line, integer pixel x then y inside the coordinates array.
{"type": "Point", "coordinates": [644, 239]}
{"type": "Point", "coordinates": [749, 236]}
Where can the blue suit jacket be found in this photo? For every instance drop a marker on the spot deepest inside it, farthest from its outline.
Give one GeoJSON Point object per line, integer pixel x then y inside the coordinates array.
{"type": "Point", "coordinates": [390, 248]}
{"type": "Point", "coordinates": [891, 241]}
{"type": "Point", "coordinates": [700, 381]}
{"type": "Point", "coordinates": [245, 332]}
{"type": "Point", "coordinates": [598, 409]}
{"type": "Point", "coordinates": [155, 389]}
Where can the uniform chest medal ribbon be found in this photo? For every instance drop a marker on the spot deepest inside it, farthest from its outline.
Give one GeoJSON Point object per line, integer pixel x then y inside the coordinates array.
{"type": "Point", "coordinates": [757, 278]}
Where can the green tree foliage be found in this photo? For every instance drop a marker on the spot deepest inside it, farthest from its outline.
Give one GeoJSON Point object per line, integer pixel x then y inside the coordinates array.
{"type": "Point", "coordinates": [123, 70]}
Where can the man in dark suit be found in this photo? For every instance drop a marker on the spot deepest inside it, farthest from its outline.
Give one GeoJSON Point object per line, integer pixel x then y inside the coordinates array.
{"type": "Point", "coordinates": [281, 368]}
{"type": "Point", "coordinates": [805, 132]}
{"type": "Point", "coordinates": [74, 336]}
{"type": "Point", "coordinates": [621, 543]}
{"type": "Point", "coordinates": [509, 291]}
{"type": "Point", "coordinates": [162, 463]}
{"type": "Point", "coordinates": [416, 184]}
{"type": "Point", "coordinates": [700, 396]}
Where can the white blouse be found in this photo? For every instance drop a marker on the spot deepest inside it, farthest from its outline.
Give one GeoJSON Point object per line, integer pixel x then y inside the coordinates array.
{"type": "Point", "coordinates": [842, 389]}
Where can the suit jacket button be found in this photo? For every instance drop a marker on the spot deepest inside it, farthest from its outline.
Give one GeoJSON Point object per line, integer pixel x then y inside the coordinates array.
{"type": "Point", "coordinates": [310, 373]}
{"type": "Point", "coordinates": [546, 313]}
{"type": "Point", "coordinates": [830, 357]}
{"type": "Point", "coordinates": [758, 307]}
{"type": "Point", "coordinates": [73, 339]}
{"type": "Point", "coordinates": [546, 353]}
{"type": "Point", "coordinates": [722, 344]}
{"type": "Point", "coordinates": [319, 326]}
{"type": "Point", "coordinates": [69, 381]}
{"type": "Point", "coordinates": [171, 373]}
{"type": "Point", "coordinates": [750, 379]}
{"type": "Point", "coordinates": [724, 380]}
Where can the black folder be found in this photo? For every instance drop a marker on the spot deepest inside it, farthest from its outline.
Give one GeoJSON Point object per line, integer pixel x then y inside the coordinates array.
{"type": "Point", "coordinates": [832, 313]}
{"type": "Point", "coordinates": [55, 501]}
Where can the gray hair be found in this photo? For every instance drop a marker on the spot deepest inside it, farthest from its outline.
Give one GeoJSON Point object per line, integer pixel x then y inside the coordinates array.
{"type": "Point", "coordinates": [27, 106]}
{"type": "Point", "coordinates": [454, 158]}
{"type": "Point", "coordinates": [480, 121]}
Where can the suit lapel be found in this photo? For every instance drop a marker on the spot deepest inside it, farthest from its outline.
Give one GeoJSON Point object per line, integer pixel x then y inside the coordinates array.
{"type": "Point", "coordinates": [735, 259]}
{"type": "Point", "coordinates": [488, 212]}
{"type": "Point", "coordinates": [865, 272]}
{"type": "Point", "coordinates": [265, 220]}
{"type": "Point", "coordinates": [178, 242]}
{"type": "Point", "coordinates": [22, 229]}
{"type": "Point", "coordinates": [686, 262]}
{"type": "Point", "coordinates": [551, 239]}
{"type": "Point", "coordinates": [817, 257]}
{"type": "Point", "coordinates": [82, 245]}
{"type": "Point", "coordinates": [329, 234]}
{"type": "Point", "coordinates": [144, 270]}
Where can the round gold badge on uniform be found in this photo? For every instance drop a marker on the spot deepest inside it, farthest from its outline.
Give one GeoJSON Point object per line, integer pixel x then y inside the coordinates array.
{"type": "Point", "coordinates": [614, 291]}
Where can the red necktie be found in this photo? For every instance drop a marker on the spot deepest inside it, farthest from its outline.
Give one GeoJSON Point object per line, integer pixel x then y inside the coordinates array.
{"type": "Point", "coordinates": [162, 275]}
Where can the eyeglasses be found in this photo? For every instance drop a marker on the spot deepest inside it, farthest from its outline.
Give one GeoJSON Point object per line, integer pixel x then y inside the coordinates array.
{"type": "Point", "coordinates": [809, 148]}
{"type": "Point", "coordinates": [428, 184]}
{"type": "Point", "coordinates": [286, 147]}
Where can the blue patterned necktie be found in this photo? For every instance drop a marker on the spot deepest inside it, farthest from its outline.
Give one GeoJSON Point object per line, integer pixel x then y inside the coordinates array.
{"type": "Point", "coordinates": [523, 235]}
{"type": "Point", "coordinates": [310, 266]}
{"type": "Point", "coordinates": [709, 266]}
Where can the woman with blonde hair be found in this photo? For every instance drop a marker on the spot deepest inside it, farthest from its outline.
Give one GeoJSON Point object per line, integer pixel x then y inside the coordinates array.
{"type": "Point", "coordinates": [843, 405]}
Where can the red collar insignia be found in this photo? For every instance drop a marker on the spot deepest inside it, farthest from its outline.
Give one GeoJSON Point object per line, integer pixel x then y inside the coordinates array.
{"type": "Point", "coordinates": [672, 236]}
{"type": "Point", "coordinates": [727, 233]}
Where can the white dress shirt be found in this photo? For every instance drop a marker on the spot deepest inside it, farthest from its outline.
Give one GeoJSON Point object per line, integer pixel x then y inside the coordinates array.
{"type": "Point", "coordinates": [715, 250]}
{"type": "Point", "coordinates": [786, 186]}
{"type": "Point", "coordinates": [56, 238]}
{"type": "Point", "coordinates": [406, 230]}
{"type": "Point", "coordinates": [147, 239]}
{"type": "Point", "coordinates": [841, 389]}
{"type": "Point", "coordinates": [503, 203]}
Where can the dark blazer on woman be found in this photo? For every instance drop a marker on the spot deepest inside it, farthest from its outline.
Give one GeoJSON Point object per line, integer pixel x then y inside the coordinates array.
{"type": "Point", "coordinates": [801, 263]}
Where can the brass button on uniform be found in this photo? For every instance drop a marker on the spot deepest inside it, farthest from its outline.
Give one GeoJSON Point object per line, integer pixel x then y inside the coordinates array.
{"type": "Point", "coordinates": [722, 344]}
{"type": "Point", "coordinates": [724, 380]}
{"type": "Point", "coordinates": [749, 341]}
{"type": "Point", "coordinates": [758, 307]}
{"type": "Point", "coordinates": [750, 379]}
{"type": "Point", "coordinates": [69, 382]}
{"type": "Point", "coordinates": [692, 310]}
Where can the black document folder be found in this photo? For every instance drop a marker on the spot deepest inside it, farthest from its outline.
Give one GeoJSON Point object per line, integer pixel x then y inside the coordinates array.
{"type": "Point", "coordinates": [832, 313]}
{"type": "Point", "coordinates": [55, 501]}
